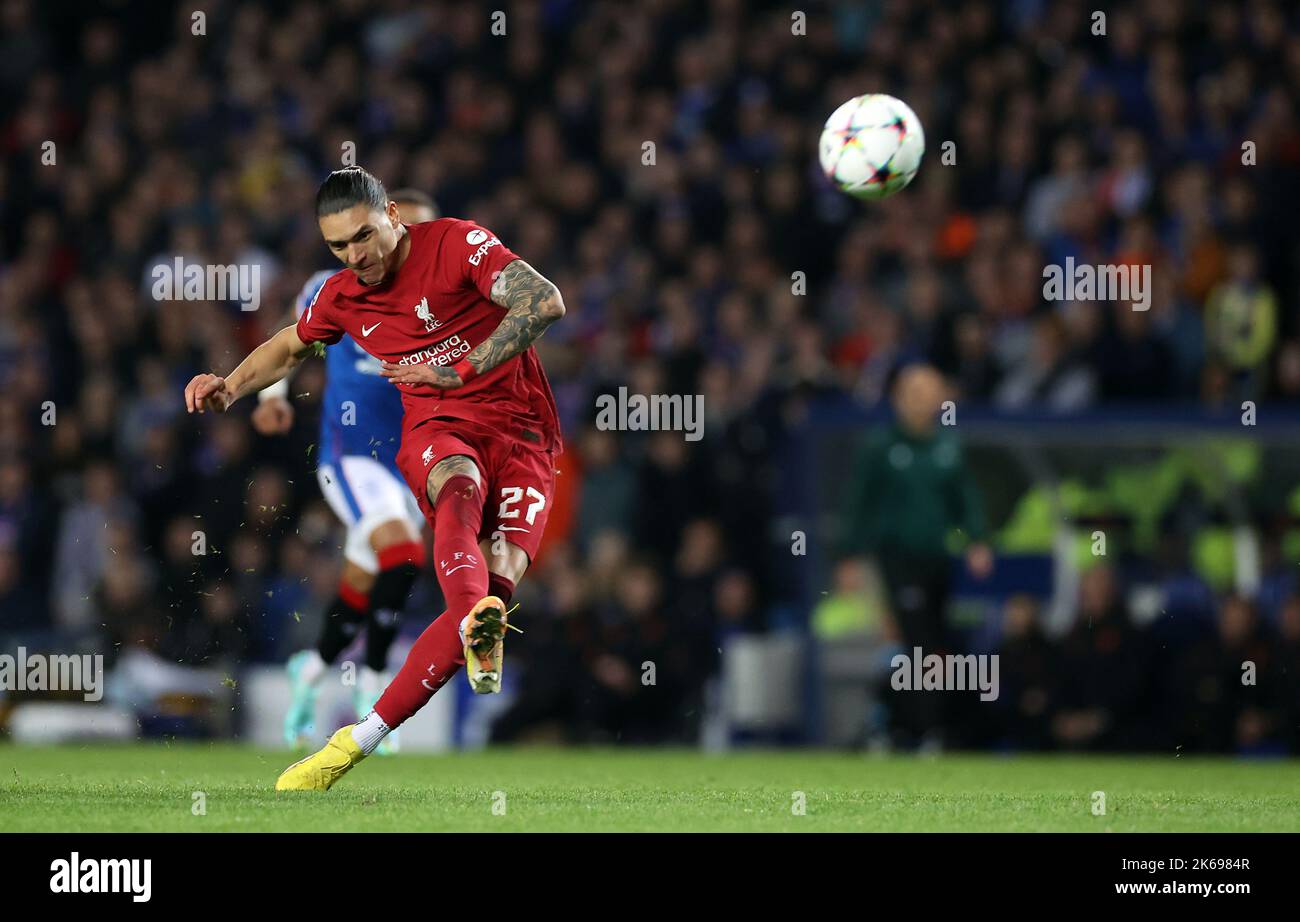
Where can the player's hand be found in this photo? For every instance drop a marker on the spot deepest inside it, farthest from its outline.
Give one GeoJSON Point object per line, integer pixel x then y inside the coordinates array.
{"type": "Point", "coordinates": [436, 376]}
{"type": "Point", "coordinates": [207, 392]}
{"type": "Point", "coordinates": [273, 416]}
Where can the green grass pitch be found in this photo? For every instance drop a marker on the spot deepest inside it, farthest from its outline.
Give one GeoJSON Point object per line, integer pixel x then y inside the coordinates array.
{"type": "Point", "coordinates": [154, 787]}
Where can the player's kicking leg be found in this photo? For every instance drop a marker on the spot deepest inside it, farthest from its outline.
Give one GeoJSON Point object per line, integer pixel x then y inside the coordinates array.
{"type": "Point", "coordinates": [455, 491]}
{"type": "Point", "coordinates": [382, 558]}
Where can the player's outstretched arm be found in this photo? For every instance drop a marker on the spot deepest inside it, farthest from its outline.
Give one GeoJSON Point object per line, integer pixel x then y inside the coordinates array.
{"type": "Point", "coordinates": [265, 365]}
{"type": "Point", "coordinates": [273, 414]}
{"type": "Point", "coordinates": [532, 304]}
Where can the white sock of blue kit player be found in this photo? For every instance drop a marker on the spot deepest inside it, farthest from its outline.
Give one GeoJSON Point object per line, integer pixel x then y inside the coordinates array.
{"type": "Point", "coordinates": [372, 683]}
{"type": "Point", "coordinates": [313, 667]}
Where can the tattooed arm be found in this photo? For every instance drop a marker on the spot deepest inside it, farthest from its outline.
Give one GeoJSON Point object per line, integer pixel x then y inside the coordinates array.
{"type": "Point", "coordinates": [532, 304]}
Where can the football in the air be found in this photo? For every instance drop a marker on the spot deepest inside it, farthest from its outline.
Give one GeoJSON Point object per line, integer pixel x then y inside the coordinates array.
{"type": "Point", "coordinates": [871, 146]}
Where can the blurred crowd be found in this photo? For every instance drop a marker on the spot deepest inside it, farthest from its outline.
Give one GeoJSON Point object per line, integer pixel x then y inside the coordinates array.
{"type": "Point", "coordinates": [1210, 673]}
{"type": "Point", "coordinates": [125, 522]}
{"type": "Point", "coordinates": [1226, 679]}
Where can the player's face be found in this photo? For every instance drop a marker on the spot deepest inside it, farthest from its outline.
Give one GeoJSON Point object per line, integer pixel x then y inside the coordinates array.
{"type": "Point", "coordinates": [364, 239]}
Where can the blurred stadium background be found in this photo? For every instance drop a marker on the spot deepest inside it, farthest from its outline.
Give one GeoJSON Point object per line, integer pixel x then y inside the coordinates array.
{"type": "Point", "coordinates": [1074, 418]}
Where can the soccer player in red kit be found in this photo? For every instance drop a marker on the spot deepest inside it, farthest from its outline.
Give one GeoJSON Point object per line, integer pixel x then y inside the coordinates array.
{"type": "Point", "coordinates": [451, 314]}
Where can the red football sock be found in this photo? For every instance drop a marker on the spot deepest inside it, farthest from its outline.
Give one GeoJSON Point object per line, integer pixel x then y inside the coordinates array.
{"type": "Point", "coordinates": [357, 600]}
{"type": "Point", "coordinates": [462, 572]}
{"type": "Point", "coordinates": [438, 653]}
{"type": "Point", "coordinates": [500, 587]}
{"type": "Point", "coordinates": [435, 658]}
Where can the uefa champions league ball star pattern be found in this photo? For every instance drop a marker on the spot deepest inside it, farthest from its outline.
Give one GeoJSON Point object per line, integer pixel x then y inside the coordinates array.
{"type": "Point", "coordinates": [872, 146]}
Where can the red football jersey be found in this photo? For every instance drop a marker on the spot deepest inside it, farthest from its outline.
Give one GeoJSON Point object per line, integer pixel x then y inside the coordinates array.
{"type": "Point", "coordinates": [437, 308]}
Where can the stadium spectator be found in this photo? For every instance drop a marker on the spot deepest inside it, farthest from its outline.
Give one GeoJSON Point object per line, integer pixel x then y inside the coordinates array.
{"type": "Point", "coordinates": [1027, 671]}
{"type": "Point", "coordinates": [1241, 322]}
{"type": "Point", "coordinates": [1101, 678]}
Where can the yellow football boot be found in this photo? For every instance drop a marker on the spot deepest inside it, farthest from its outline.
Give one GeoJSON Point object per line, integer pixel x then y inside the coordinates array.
{"type": "Point", "coordinates": [318, 772]}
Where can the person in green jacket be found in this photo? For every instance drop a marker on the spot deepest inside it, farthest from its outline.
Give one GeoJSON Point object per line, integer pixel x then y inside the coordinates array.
{"type": "Point", "coordinates": [909, 489]}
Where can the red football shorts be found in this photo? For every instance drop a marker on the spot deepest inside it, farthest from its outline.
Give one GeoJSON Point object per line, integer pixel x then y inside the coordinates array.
{"type": "Point", "coordinates": [518, 475]}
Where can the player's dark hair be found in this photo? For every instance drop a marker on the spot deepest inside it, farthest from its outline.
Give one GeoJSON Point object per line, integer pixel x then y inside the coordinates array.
{"type": "Point", "coordinates": [353, 186]}
{"type": "Point", "coordinates": [416, 197]}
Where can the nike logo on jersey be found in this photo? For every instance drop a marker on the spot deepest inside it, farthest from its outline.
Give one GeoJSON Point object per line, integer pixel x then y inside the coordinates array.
{"type": "Point", "coordinates": [366, 331]}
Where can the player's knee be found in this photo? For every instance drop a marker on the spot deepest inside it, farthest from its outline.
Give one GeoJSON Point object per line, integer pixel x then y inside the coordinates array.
{"type": "Point", "coordinates": [446, 469]}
